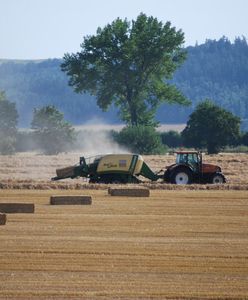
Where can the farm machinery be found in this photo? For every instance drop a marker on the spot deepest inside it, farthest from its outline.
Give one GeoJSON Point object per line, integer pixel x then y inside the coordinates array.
{"type": "Point", "coordinates": [126, 168]}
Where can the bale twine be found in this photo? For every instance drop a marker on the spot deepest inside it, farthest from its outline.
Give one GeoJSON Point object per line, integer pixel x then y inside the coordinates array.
{"type": "Point", "coordinates": [2, 219]}
{"type": "Point", "coordinates": [129, 192]}
{"type": "Point", "coordinates": [13, 208]}
{"type": "Point", "coordinates": [70, 200]}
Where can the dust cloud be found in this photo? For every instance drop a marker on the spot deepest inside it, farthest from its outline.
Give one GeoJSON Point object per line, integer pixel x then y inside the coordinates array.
{"type": "Point", "coordinates": [96, 142]}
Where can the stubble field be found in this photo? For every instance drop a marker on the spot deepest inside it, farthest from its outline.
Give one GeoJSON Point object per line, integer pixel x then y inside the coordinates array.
{"type": "Point", "coordinates": [32, 170]}
{"type": "Point", "coordinates": [176, 244]}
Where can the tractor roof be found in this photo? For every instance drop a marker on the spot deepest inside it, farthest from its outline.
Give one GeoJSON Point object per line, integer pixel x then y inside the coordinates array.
{"type": "Point", "coordinates": [186, 152]}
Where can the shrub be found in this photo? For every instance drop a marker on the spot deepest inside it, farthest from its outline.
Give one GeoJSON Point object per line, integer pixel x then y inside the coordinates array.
{"type": "Point", "coordinates": [171, 138]}
{"type": "Point", "coordinates": [52, 133]}
{"type": "Point", "coordinates": [140, 139]}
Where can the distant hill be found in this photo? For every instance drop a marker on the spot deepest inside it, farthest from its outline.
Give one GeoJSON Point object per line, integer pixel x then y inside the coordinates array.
{"type": "Point", "coordinates": [216, 69]}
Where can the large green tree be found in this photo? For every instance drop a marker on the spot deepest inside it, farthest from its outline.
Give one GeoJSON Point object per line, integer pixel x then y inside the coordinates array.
{"type": "Point", "coordinates": [211, 127]}
{"type": "Point", "coordinates": [129, 64]}
{"type": "Point", "coordinates": [52, 133]}
{"type": "Point", "coordinates": [8, 125]}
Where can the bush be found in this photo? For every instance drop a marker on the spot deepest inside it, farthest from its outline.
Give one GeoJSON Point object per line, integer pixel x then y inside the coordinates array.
{"type": "Point", "coordinates": [171, 139]}
{"type": "Point", "coordinates": [211, 127]}
{"type": "Point", "coordinates": [51, 132]}
{"type": "Point", "coordinates": [8, 125]}
{"type": "Point", "coordinates": [140, 139]}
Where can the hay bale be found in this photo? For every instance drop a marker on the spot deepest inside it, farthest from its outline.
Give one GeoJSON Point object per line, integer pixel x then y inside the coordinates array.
{"type": "Point", "coordinates": [13, 208]}
{"type": "Point", "coordinates": [66, 172]}
{"type": "Point", "coordinates": [130, 192]}
{"type": "Point", "coordinates": [70, 200]}
{"type": "Point", "coordinates": [2, 219]}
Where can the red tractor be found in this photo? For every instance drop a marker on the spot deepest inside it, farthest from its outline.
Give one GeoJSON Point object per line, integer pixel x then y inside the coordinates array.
{"type": "Point", "coordinates": [189, 168]}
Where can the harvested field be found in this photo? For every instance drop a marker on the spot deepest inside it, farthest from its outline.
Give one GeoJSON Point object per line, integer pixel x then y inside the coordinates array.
{"type": "Point", "coordinates": [172, 245]}
{"type": "Point", "coordinates": [33, 171]}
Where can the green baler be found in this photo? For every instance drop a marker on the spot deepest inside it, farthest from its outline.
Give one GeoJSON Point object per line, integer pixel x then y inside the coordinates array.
{"type": "Point", "coordinates": [112, 168]}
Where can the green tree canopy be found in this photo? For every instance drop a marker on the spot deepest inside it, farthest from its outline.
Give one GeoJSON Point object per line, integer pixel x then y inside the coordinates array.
{"type": "Point", "coordinates": [53, 133]}
{"type": "Point", "coordinates": [211, 127]}
{"type": "Point", "coordinates": [127, 64]}
{"type": "Point", "coordinates": [140, 139]}
{"type": "Point", "coordinates": [8, 125]}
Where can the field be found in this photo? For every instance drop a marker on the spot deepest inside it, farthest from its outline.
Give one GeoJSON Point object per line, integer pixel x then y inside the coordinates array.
{"type": "Point", "coordinates": [176, 244]}
{"type": "Point", "coordinates": [173, 245]}
{"type": "Point", "coordinates": [32, 170]}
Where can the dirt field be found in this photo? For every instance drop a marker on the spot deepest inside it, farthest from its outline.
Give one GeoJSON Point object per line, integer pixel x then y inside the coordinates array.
{"type": "Point", "coordinates": [31, 170]}
{"type": "Point", "coordinates": [173, 245]}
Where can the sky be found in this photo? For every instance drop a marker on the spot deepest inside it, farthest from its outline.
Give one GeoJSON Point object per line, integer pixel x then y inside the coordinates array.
{"type": "Point", "coordinates": [41, 29]}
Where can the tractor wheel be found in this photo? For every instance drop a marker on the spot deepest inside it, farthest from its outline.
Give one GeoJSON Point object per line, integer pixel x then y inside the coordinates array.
{"type": "Point", "coordinates": [181, 176]}
{"type": "Point", "coordinates": [217, 178]}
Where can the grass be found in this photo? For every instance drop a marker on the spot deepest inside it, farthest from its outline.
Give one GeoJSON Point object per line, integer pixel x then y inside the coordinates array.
{"type": "Point", "coordinates": [172, 245]}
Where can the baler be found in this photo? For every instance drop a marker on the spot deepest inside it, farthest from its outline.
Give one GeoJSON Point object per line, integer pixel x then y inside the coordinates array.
{"type": "Point", "coordinates": [112, 168]}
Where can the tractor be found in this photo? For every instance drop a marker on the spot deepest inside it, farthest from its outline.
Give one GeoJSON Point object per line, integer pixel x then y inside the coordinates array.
{"type": "Point", "coordinates": [189, 168]}
{"type": "Point", "coordinates": [126, 168]}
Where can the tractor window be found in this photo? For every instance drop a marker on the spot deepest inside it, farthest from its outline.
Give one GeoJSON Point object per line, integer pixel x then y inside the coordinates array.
{"type": "Point", "coordinates": [193, 158]}
{"type": "Point", "coordinates": [187, 158]}
{"type": "Point", "coordinates": [182, 158]}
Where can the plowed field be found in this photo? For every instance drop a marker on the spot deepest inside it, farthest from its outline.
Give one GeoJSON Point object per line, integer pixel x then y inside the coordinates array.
{"type": "Point", "coordinates": [173, 245]}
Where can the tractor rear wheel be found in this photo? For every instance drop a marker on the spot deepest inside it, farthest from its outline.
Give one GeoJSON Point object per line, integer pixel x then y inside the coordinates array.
{"type": "Point", "coordinates": [217, 178]}
{"type": "Point", "coordinates": [181, 176]}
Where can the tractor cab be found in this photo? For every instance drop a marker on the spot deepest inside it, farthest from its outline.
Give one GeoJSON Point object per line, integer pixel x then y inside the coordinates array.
{"type": "Point", "coordinates": [191, 158]}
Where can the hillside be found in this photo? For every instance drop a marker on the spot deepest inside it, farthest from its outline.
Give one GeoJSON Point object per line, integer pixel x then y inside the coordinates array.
{"type": "Point", "coordinates": [216, 69]}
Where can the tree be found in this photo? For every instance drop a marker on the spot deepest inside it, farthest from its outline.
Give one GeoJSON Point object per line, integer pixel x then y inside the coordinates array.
{"type": "Point", "coordinates": [171, 139]}
{"type": "Point", "coordinates": [8, 125]}
{"type": "Point", "coordinates": [244, 139]}
{"type": "Point", "coordinates": [212, 127]}
{"type": "Point", "coordinates": [140, 139]}
{"type": "Point", "coordinates": [127, 64]}
{"type": "Point", "coordinates": [52, 132]}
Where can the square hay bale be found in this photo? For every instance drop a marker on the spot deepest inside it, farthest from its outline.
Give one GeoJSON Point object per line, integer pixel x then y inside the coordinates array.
{"type": "Point", "coordinates": [2, 219]}
{"type": "Point", "coordinates": [14, 208]}
{"type": "Point", "coordinates": [129, 192]}
{"type": "Point", "coordinates": [70, 200]}
{"type": "Point", "coordinates": [65, 172]}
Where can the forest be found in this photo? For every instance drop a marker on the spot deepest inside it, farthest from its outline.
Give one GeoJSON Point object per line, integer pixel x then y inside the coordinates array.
{"type": "Point", "coordinates": [217, 70]}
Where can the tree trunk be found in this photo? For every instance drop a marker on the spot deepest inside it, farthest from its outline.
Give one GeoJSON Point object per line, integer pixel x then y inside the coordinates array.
{"type": "Point", "coordinates": [132, 108]}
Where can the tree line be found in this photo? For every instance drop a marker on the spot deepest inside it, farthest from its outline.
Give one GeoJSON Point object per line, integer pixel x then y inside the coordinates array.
{"type": "Point", "coordinates": [51, 134]}
{"type": "Point", "coordinates": [215, 70]}
{"type": "Point", "coordinates": [130, 66]}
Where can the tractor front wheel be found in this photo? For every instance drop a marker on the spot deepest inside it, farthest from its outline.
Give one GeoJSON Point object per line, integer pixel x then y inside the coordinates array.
{"type": "Point", "coordinates": [181, 176]}
{"type": "Point", "coordinates": [217, 178]}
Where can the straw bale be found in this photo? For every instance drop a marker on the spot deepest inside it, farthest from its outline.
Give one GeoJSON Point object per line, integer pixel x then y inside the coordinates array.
{"type": "Point", "coordinates": [2, 219]}
{"type": "Point", "coordinates": [130, 192]}
{"type": "Point", "coordinates": [12, 208]}
{"type": "Point", "coordinates": [70, 200]}
{"type": "Point", "coordinates": [65, 172]}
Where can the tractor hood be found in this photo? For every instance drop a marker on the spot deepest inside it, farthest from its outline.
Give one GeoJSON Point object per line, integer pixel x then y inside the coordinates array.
{"type": "Point", "coordinates": [209, 168]}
